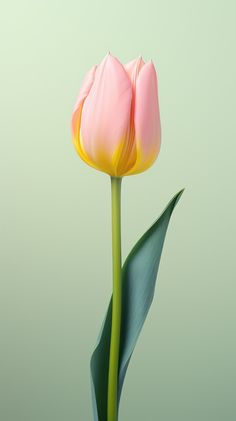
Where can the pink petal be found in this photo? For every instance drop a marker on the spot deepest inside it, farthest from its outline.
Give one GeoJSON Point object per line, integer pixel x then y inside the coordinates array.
{"type": "Point", "coordinates": [129, 154]}
{"type": "Point", "coordinates": [84, 90]}
{"type": "Point", "coordinates": [133, 68]}
{"type": "Point", "coordinates": [106, 112]}
{"type": "Point", "coordinates": [76, 117]}
{"type": "Point", "coordinates": [146, 119]}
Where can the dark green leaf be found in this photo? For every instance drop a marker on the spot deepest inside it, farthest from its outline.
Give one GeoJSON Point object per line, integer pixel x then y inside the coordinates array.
{"type": "Point", "coordinates": [138, 279]}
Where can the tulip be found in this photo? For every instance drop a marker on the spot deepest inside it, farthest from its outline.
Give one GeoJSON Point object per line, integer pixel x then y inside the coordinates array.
{"type": "Point", "coordinates": [116, 129]}
{"type": "Point", "coordinates": [116, 121]}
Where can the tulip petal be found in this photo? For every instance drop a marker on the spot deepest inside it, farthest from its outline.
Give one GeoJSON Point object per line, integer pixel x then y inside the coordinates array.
{"type": "Point", "coordinates": [105, 115]}
{"type": "Point", "coordinates": [146, 119]}
{"type": "Point", "coordinates": [129, 153]}
{"type": "Point", "coordinates": [76, 117]}
{"type": "Point", "coordinates": [85, 88]}
{"type": "Point", "coordinates": [133, 68]}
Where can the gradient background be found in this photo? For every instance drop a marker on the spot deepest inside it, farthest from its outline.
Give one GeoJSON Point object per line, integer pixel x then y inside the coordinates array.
{"type": "Point", "coordinates": [55, 211]}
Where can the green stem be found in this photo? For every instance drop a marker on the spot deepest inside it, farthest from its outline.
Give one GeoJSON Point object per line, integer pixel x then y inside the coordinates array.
{"type": "Point", "coordinates": [112, 409]}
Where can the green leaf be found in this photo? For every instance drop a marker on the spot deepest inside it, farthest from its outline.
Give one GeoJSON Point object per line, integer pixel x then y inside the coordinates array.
{"type": "Point", "coordinates": [138, 281]}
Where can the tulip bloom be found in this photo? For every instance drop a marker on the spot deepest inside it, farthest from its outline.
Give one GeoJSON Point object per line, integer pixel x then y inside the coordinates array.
{"type": "Point", "coordinates": [116, 121]}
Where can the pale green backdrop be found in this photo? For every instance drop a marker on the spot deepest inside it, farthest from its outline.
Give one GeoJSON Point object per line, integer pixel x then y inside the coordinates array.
{"type": "Point", "coordinates": [55, 211]}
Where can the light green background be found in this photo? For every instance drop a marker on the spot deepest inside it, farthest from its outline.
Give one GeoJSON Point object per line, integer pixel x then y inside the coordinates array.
{"type": "Point", "coordinates": [55, 211]}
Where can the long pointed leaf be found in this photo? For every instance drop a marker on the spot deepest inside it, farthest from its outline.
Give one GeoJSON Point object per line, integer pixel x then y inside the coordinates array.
{"type": "Point", "coordinates": [138, 280]}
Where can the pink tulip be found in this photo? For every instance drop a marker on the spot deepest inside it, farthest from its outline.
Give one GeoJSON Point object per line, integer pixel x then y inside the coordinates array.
{"type": "Point", "coordinates": [116, 121]}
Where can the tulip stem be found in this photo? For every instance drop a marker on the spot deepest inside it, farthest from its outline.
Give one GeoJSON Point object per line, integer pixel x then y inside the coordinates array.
{"type": "Point", "coordinates": [112, 407]}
